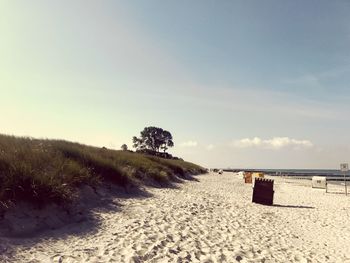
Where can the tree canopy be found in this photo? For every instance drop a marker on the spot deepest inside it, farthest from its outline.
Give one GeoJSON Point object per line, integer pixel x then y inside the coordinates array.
{"type": "Point", "coordinates": [124, 147]}
{"type": "Point", "coordinates": [154, 139]}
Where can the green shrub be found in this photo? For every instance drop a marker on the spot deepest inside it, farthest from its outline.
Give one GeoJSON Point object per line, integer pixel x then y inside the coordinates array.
{"type": "Point", "coordinates": [46, 171]}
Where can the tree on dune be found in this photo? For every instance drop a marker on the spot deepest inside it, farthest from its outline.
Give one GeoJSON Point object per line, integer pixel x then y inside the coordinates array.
{"type": "Point", "coordinates": [124, 147]}
{"type": "Point", "coordinates": [153, 139]}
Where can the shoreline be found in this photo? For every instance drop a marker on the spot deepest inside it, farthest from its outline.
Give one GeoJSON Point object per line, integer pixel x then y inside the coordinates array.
{"type": "Point", "coordinates": [297, 174]}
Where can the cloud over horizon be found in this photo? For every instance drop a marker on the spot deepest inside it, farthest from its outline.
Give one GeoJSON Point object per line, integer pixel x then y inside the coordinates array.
{"type": "Point", "coordinates": [210, 147]}
{"type": "Point", "coordinates": [275, 143]}
{"type": "Point", "coordinates": [189, 144]}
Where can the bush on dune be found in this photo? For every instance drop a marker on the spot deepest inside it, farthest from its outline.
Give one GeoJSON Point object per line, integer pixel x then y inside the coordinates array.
{"type": "Point", "coordinates": [32, 170]}
{"type": "Point", "coordinates": [47, 171]}
{"type": "Point", "coordinates": [99, 161]}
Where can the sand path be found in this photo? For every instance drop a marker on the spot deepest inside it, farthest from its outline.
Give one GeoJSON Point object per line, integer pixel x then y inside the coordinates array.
{"type": "Point", "coordinates": [208, 221]}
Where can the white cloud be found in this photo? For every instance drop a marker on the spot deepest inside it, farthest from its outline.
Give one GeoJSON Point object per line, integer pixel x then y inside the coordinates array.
{"type": "Point", "coordinates": [189, 144]}
{"type": "Point", "coordinates": [246, 142]}
{"type": "Point", "coordinates": [210, 147]}
{"type": "Point", "coordinates": [273, 143]}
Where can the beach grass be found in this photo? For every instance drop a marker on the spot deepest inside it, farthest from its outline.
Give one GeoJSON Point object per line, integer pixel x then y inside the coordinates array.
{"type": "Point", "coordinates": [50, 171]}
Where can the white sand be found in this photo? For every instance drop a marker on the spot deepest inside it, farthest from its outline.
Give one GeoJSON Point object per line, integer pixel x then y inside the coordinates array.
{"type": "Point", "coordinates": [208, 221]}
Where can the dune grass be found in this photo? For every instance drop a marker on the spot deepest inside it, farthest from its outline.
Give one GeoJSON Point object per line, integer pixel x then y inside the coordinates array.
{"type": "Point", "coordinates": [50, 171]}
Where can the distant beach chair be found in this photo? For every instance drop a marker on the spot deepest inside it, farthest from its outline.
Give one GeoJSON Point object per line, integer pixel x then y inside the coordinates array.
{"type": "Point", "coordinates": [319, 182]}
{"type": "Point", "coordinates": [248, 177]}
{"type": "Point", "coordinates": [257, 175]}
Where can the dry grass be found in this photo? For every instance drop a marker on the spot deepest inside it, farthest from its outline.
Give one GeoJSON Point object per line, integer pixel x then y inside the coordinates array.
{"type": "Point", "coordinates": [46, 171]}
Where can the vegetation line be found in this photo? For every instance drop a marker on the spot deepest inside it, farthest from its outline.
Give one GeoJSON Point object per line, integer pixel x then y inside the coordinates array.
{"type": "Point", "coordinates": [50, 171]}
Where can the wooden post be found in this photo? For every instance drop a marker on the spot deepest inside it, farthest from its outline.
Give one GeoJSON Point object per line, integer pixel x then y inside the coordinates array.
{"type": "Point", "coordinates": [346, 190]}
{"type": "Point", "coordinates": [344, 167]}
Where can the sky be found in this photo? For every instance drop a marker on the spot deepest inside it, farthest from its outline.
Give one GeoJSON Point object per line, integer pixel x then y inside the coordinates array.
{"type": "Point", "coordinates": [240, 84]}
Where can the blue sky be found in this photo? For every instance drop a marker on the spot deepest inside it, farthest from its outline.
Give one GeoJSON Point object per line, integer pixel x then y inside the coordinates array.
{"type": "Point", "coordinates": [238, 83]}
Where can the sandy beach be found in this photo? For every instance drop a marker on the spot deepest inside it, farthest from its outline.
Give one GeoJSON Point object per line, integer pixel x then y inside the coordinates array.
{"type": "Point", "coordinates": [212, 220]}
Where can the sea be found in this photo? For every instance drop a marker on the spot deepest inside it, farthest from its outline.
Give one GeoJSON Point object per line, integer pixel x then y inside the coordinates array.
{"type": "Point", "coordinates": [307, 173]}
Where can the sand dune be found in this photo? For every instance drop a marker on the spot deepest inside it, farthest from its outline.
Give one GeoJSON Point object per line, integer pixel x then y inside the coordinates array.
{"type": "Point", "coordinates": [208, 221]}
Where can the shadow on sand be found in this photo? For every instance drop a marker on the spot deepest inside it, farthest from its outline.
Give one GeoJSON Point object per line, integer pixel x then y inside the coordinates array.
{"type": "Point", "coordinates": [81, 218]}
{"type": "Point", "coordinates": [294, 206]}
{"type": "Point", "coordinates": [337, 193]}
{"type": "Point", "coordinates": [84, 216]}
